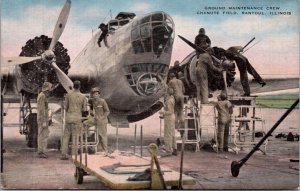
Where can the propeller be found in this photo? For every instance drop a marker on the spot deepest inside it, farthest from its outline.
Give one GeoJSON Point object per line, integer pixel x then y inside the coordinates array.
{"type": "Point", "coordinates": [64, 80]}
{"type": "Point", "coordinates": [60, 24]}
{"type": "Point", "coordinates": [48, 56]}
{"type": "Point", "coordinates": [14, 61]}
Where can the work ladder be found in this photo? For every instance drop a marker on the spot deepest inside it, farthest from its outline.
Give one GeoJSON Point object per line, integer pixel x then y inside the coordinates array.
{"type": "Point", "coordinates": [246, 121]}
{"type": "Point", "coordinates": [191, 124]}
{"type": "Point", "coordinates": [208, 124]}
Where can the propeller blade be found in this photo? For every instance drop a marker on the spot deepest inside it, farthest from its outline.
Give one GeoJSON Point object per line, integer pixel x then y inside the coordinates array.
{"type": "Point", "coordinates": [14, 61]}
{"type": "Point", "coordinates": [64, 80]}
{"type": "Point", "coordinates": [188, 42]}
{"type": "Point", "coordinates": [60, 24]}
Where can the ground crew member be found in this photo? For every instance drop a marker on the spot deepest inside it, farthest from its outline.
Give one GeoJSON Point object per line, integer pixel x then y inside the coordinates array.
{"type": "Point", "coordinates": [202, 40]}
{"type": "Point", "coordinates": [75, 107]}
{"type": "Point", "coordinates": [234, 53]}
{"type": "Point", "coordinates": [224, 108]}
{"type": "Point", "coordinates": [101, 112]}
{"type": "Point", "coordinates": [169, 123]}
{"type": "Point", "coordinates": [175, 68]}
{"type": "Point", "coordinates": [103, 36]}
{"type": "Point", "coordinates": [42, 119]}
{"type": "Point", "coordinates": [204, 64]}
{"type": "Point", "coordinates": [178, 89]}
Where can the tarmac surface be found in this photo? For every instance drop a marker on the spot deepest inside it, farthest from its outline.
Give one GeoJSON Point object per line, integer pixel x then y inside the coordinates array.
{"type": "Point", "coordinates": [23, 170]}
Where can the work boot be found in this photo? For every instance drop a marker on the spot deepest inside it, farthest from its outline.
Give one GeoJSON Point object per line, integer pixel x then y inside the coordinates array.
{"type": "Point", "coordinates": [174, 152]}
{"type": "Point", "coordinates": [42, 155]}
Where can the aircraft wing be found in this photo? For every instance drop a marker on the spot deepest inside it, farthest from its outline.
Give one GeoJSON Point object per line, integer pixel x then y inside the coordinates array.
{"type": "Point", "coordinates": [273, 83]}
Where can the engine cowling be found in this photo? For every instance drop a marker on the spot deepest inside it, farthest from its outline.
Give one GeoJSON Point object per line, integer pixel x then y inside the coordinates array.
{"type": "Point", "coordinates": [33, 74]}
{"type": "Point", "coordinates": [215, 80]}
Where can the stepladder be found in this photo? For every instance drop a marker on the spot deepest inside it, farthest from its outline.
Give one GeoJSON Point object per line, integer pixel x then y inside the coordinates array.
{"type": "Point", "coordinates": [190, 131]}
{"type": "Point", "coordinates": [208, 126]}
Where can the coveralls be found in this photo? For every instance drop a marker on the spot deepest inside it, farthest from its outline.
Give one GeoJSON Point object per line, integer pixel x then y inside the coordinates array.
{"type": "Point", "coordinates": [224, 108]}
{"type": "Point", "coordinates": [169, 124]}
{"type": "Point", "coordinates": [202, 41]}
{"type": "Point", "coordinates": [244, 66]}
{"type": "Point", "coordinates": [42, 119]}
{"type": "Point", "coordinates": [103, 36]}
{"type": "Point", "coordinates": [101, 111]}
{"type": "Point", "coordinates": [75, 105]}
{"type": "Point", "coordinates": [204, 64]}
{"type": "Point", "coordinates": [178, 88]}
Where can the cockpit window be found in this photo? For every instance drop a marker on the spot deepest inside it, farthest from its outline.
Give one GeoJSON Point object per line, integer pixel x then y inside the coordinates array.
{"type": "Point", "coordinates": [157, 17]}
{"type": "Point", "coordinates": [146, 19]}
{"type": "Point", "coordinates": [123, 22]}
{"type": "Point", "coordinates": [135, 34]}
{"type": "Point", "coordinates": [155, 34]}
{"type": "Point", "coordinates": [146, 30]}
{"type": "Point", "coordinates": [137, 47]}
{"type": "Point", "coordinates": [113, 25]}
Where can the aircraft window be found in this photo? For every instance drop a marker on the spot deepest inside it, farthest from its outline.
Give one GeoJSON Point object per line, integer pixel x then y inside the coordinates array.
{"type": "Point", "coordinates": [148, 67]}
{"type": "Point", "coordinates": [167, 17]}
{"type": "Point", "coordinates": [156, 23]}
{"type": "Point", "coordinates": [113, 25]}
{"type": "Point", "coordinates": [161, 35]}
{"type": "Point", "coordinates": [137, 47]}
{"type": "Point", "coordinates": [133, 68]}
{"type": "Point", "coordinates": [147, 44]}
{"type": "Point", "coordinates": [145, 31]}
{"type": "Point", "coordinates": [146, 19]}
{"type": "Point", "coordinates": [135, 34]}
{"type": "Point", "coordinates": [168, 45]}
{"type": "Point", "coordinates": [157, 17]}
{"type": "Point", "coordinates": [123, 22]}
{"type": "Point", "coordinates": [144, 67]}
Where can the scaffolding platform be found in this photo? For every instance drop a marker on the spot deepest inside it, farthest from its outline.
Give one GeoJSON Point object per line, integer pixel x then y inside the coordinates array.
{"type": "Point", "coordinates": [245, 122]}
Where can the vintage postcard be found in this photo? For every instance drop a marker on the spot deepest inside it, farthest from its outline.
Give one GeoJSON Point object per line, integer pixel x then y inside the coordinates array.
{"type": "Point", "coordinates": [136, 94]}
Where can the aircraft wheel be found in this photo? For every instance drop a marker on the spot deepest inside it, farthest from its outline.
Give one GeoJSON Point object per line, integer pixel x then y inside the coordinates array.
{"type": "Point", "coordinates": [79, 175]}
{"type": "Point", "coordinates": [31, 123]}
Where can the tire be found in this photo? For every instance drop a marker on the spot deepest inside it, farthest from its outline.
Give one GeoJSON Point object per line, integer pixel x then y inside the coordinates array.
{"type": "Point", "coordinates": [32, 126]}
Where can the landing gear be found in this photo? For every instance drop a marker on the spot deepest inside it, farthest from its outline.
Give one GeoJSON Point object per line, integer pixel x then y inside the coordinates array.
{"type": "Point", "coordinates": [32, 130]}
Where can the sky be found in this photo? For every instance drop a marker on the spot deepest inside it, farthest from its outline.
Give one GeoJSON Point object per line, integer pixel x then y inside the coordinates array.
{"type": "Point", "coordinates": [277, 36]}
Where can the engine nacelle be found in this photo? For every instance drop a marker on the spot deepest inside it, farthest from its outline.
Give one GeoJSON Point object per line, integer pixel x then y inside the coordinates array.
{"type": "Point", "coordinates": [32, 75]}
{"type": "Point", "coordinates": [215, 80]}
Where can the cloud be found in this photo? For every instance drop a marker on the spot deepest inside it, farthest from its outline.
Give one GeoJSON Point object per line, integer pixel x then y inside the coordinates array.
{"type": "Point", "coordinates": [40, 20]}
{"type": "Point", "coordinates": [140, 7]}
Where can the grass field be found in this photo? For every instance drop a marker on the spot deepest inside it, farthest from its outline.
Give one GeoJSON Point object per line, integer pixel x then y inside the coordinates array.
{"type": "Point", "coordinates": [277, 101]}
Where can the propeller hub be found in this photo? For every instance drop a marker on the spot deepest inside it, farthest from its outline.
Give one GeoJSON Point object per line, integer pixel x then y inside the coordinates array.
{"type": "Point", "coordinates": [48, 56]}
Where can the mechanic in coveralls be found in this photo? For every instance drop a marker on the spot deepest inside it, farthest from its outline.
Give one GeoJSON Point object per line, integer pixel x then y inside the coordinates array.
{"type": "Point", "coordinates": [76, 107]}
{"type": "Point", "coordinates": [234, 53]}
{"type": "Point", "coordinates": [224, 108]}
{"type": "Point", "coordinates": [178, 88]}
{"type": "Point", "coordinates": [202, 41]}
{"type": "Point", "coordinates": [101, 112]}
{"type": "Point", "coordinates": [42, 119]}
{"type": "Point", "coordinates": [169, 123]}
{"type": "Point", "coordinates": [203, 65]}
